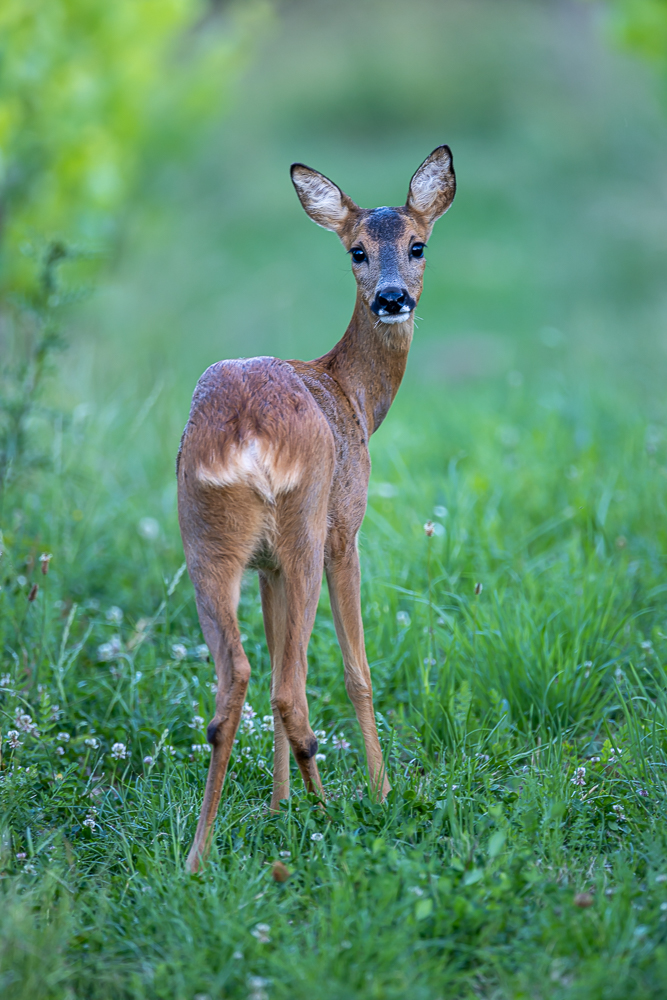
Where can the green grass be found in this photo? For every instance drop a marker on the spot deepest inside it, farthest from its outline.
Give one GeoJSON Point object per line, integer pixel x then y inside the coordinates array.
{"type": "Point", "coordinates": [540, 453]}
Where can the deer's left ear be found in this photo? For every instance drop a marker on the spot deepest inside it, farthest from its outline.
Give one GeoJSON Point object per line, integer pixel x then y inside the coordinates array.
{"type": "Point", "coordinates": [323, 200]}
{"type": "Point", "coordinates": [433, 185]}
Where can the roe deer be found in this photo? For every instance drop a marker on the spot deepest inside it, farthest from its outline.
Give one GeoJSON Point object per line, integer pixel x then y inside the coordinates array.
{"type": "Point", "coordinates": [273, 475]}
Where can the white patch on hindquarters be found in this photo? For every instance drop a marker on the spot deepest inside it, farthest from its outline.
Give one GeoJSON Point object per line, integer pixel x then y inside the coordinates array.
{"type": "Point", "coordinates": [254, 464]}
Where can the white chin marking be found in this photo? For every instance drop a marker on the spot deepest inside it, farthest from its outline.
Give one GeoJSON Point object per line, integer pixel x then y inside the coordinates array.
{"type": "Point", "coordinates": [395, 318]}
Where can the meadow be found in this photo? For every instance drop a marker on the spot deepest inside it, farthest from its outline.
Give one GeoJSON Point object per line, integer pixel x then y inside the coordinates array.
{"type": "Point", "coordinates": [518, 651]}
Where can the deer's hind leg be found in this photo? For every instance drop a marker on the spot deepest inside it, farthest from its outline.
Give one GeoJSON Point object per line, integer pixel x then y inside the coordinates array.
{"type": "Point", "coordinates": [300, 552]}
{"type": "Point", "coordinates": [220, 531]}
{"type": "Point", "coordinates": [274, 611]}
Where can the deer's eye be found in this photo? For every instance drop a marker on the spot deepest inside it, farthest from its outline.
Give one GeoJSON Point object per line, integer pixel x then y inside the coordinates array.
{"type": "Point", "coordinates": [358, 255]}
{"type": "Point", "coordinates": [417, 249]}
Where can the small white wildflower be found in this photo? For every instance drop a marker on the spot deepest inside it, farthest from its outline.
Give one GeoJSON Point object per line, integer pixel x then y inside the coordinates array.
{"type": "Point", "coordinates": [178, 651]}
{"type": "Point", "coordinates": [44, 561]}
{"type": "Point", "coordinates": [213, 688]}
{"type": "Point", "coordinates": [149, 529]}
{"type": "Point", "coordinates": [238, 955]}
{"type": "Point", "coordinates": [620, 815]}
{"type": "Point", "coordinates": [248, 712]}
{"type": "Point", "coordinates": [416, 890]}
{"type": "Point", "coordinates": [21, 856]}
{"type": "Point", "coordinates": [89, 822]}
{"type": "Point", "coordinates": [285, 854]}
{"type": "Point", "coordinates": [30, 870]}
{"type": "Point", "coordinates": [92, 743]}
{"type": "Point", "coordinates": [60, 751]}
{"type": "Point", "coordinates": [618, 675]}
{"type": "Point", "coordinates": [115, 615]}
{"type": "Point", "coordinates": [579, 777]}
{"type": "Point", "coordinates": [201, 748]}
{"type": "Point", "coordinates": [321, 736]}
{"type": "Point", "coordinates": [319, 757]}
{"type": "Point", "coordinates": [594, 760]}
{"type": "Point", "coordinates": [261, 932]}
{"type": "Point", "coordinates": [403, 618]}
{"type": "Point", "coordinates": [21, 580]}
{"type": "Point", "coordinates": [5, 680]}
{"type": "Point", "coordinates": [317, 837]}
{"type": "Point", "coordinates": [149, 761]}
{"type": "Point", "coordinates": [340, 743]}
{"type": "Point", "coordinates": [615, 755]}
{"type": "Point", "coordinates": [109, 650]}
{"type": "Point", "coordinates": [268, 724]}
{"type": "Point", "coordinates": [169, 750]}
{"type": "Point", "coordinates": [429, 529]}
{"type": "Point", "coordinates": [647, 646]}
{"type": "Point", "coordinates": [588, 664]}
{"type": "Point", "coordinates": [643, 793]}
{"type": "Point", "coordinates": [119, 751]}
{"type": "Point", "coordinates": [13, 739]}
{"type": "Point", "coordinates": [201, 652]}
{"type": "Point", "coordinates": [196, 723]}
{"type": "Point", "coordinates": [55, 713]}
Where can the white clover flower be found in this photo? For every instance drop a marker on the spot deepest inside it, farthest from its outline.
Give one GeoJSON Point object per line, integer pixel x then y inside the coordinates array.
{"type": "Point", "coordinates": [340, 743]}
{"type": "Point", "coordinates": [25, 723]}
{"type": "Point", "coordinates": [55, 713]}
{"type": "Point", "coordinates": [60, 751]}
{"type": "Point", "coordinates": [13, 739]}
{"type": "Point", "coordinates": [149, 761]}
{"type": "Point", "coordinates": [579, 777]}
{"type": "Point", "coordinates": [169, 750]}
{"type": "Point", "coordinates": [285, 854]}
{"type": "Point", "coordinates": [197, 722]}
{"type": "Point", "coordinates": [5, 680]}
{"type": "Point", "coordinates": [202, 652]}
{"type": "Point", "coordinates": [30, 869]}
{"type": "Point", "coordinates": [261, 932]}
{"type": "Point", "coordinates": [115, 614]}
{"type": "Point", "coordinates": [119, 751]}
{"type": "Point", "coordinates": [317, 837]}
{"type": "Point", "coordinates": [319, 757]}
{"type": "Point", "coordinates": [178, 651]}
{"type": "Point", "coordinates": [109, 650]}
{"type": "Point", "coordinates": [620, 815]}
{"type": "Point", "coordinates": [267, 723]}
{"type": "Point", "coordinates": [89, 822]}
{"type": "Point", "coordinates": [248, 712]}
{"type": "Point", "coordinates": [403, 618]}
{"type": "Point", "coordinates": [149, 528]}
{"type": "Point", "coordinates": [92, 743]}
{"type": "Point", "coordinates": [201, 748]}
{"type": "Point", "coordinates": [320, 736]}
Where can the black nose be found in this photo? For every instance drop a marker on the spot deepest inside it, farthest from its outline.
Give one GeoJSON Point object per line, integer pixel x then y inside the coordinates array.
{"type": "Point", "coordinates": [390, 300]}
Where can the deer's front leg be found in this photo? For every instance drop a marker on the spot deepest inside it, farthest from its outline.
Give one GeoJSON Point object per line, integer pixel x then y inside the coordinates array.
{"type": "Point", "coordinates": [344, 579]}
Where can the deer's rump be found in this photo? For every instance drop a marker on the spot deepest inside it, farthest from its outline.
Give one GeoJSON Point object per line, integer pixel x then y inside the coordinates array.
{"type": "Point", "coordinates": [256, 451]}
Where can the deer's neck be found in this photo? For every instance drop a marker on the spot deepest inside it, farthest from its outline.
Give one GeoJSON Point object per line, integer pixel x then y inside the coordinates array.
{"type": "Point", "coordinates": [369, 363]}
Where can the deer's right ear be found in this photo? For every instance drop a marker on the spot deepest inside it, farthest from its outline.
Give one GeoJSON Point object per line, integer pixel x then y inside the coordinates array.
{"type": "Point", "coordinates": [323, 200]}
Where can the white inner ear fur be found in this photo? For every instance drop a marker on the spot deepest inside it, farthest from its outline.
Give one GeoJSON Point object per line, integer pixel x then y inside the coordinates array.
{"type": "Point", "coordinates": [320, 197]}
{"type": "Point", "coordinates": [429, 182]}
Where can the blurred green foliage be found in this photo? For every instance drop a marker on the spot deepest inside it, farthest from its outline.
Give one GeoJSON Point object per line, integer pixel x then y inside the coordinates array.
{"type": "Point", "coordinates": [88, 93]}
{"type": "Point", "coordinates": [642, 25]}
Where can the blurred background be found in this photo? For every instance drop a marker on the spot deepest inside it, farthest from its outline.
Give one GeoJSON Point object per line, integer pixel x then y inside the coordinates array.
{"type": "Point", "coordinates": [150, 222]}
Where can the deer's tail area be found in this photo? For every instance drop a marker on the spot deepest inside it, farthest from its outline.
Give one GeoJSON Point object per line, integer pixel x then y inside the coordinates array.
{"type": "Point", "coordinates": [254, 436]}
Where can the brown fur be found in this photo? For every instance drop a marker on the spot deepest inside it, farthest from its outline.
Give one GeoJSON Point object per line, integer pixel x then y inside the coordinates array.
{"type": "Point", "coordinates": [273, 474]}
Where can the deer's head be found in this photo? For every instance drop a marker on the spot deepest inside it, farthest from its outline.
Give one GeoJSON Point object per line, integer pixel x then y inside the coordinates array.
{"type": "Point", "coordinates": [386, 245]}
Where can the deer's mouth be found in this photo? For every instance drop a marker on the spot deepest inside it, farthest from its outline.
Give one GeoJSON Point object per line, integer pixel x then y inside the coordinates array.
{"type": "Point", "coordinates": [391, 318]}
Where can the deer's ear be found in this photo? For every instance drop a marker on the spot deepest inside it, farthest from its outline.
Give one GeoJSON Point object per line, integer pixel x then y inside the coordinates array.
{"type": "Point", "coordinates": [323, 200]}
{"type": "Point", "coordinates": [433, 185]}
